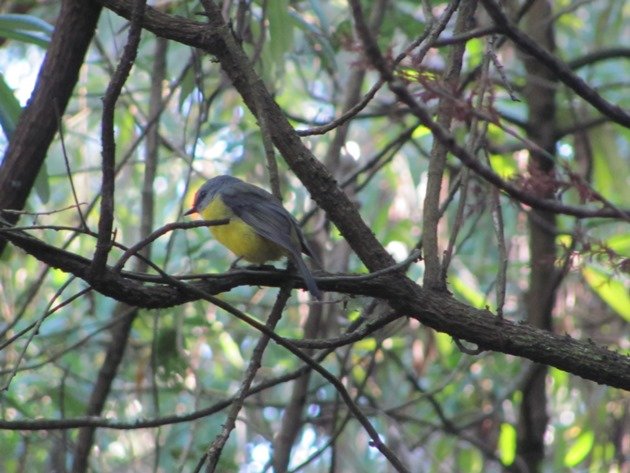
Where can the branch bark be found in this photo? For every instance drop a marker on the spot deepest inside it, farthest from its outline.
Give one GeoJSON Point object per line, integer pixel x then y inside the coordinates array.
{"type": "Point", "coordinates": [38, 123]}
{"type": "Point", "coordinates": [121, 332]}
{"type": "Point", "coordinates": [438, 311]}
{"type": "Point", "coordinates": [560, 70]}
{"type": "Point", "coordinates": [300, 159]}
{"type": "Point", "coordinates": [434, 309]}
{"type": "Point", "coordinates": [540, 91]}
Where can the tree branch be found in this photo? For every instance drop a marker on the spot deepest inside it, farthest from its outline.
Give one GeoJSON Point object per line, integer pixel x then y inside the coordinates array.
{"type": "Point", "coordinates": [106, 216]}
{"type": "Point", "coordinates": [38, 123]}
{"type": "Point", "coordinates": [301, 160]}
{"type": "Point", "coordinates": [434, 309]}
{"type": "Point", "coordinates": [438, 311]}
{"type": "Point", "coordinates": [561, 70]}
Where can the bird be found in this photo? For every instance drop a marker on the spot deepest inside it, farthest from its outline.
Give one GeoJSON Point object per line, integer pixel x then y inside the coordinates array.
{"type": "Point", "coordinates": [260, 229]}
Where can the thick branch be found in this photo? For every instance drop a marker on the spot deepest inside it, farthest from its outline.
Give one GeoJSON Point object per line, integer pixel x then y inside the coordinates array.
{"type": "Point", "coordinates": [436, 310]}
{"type": "Point", "coordinates": [39, 120]}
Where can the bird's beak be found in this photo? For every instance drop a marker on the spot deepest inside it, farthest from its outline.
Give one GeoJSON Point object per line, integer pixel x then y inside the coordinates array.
{"type": "Point", "coordinates": [193, 210]}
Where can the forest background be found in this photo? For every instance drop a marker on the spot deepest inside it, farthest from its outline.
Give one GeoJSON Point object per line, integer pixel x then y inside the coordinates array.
{"type": "Point", "coordinates": [460, 169]}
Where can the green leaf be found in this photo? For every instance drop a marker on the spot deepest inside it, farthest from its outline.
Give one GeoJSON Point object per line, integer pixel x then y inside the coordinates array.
{"type": "Point", "coordinates": [580, 449]}
{"type": "Point", "coordinates": [25, 28]}
{"type": "Point", "coordinates": [444, 343]}
{"type": "Point", "coordinates": [560, 378]}
{"type": "Point", "coordinates": [167, 354]}
{"type": "Point", "coordinates": [280, 31]}
{"type": "Point", "coordinates": [475, 50]}
{"type": "Point", "coordinates": [620, 244]}
{"type": "Point", "coordinates": [367, 344]}
{"type": "Point", "coordinates": [187, 86]}
{"type": "Point", "coordinates": [9, 108]}
{"type": "Point", "coordinates": [470, 460]}
{"type": "Point", "coordinates": [325, 51]}
{"type": "Point", "coordinates": [504, 166]}
{"type": "Point", "coordinates": [42, 186]}
{"type": "Point", "coordinates": [609, 166]}
{"type": "Point", "coordinates": [231, 350]}
{"type": "Point", "coordinates": [507, 443]}
{"type": "Point", "coordinates": [321, 15]}
{"type": "Point", "coordinates": [26, 23]}
{"type": "Point", "coordinates": [470, 294]}
{"type": "Point", "coordinates": [612, 291]}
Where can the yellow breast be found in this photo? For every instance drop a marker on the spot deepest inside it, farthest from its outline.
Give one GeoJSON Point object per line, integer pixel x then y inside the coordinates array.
{"type": "Point", "coordinates": [239, 237]}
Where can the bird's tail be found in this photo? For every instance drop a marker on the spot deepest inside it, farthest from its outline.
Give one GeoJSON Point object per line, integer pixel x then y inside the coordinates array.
{"type": "Point", "coordinates": [307, 276]}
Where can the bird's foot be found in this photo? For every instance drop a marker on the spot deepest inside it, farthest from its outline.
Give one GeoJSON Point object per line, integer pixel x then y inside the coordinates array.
{"type": "Point", "coordinates": [234, 264]}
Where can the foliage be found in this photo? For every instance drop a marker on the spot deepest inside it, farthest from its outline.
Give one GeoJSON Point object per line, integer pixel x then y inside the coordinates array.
{"type": "Point", "coordinates": [438, 407]}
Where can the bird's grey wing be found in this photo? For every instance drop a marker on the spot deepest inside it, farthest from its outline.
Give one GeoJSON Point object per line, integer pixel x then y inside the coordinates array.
{"type": "Point", "coordinates": [264, 213]}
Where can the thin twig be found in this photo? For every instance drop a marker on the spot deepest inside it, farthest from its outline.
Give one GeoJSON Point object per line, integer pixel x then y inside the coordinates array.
{"type": "Point", "coordinates": [499, 229]}
{"type": "Point", "coordinates": [67, 163]}
{"type": "Point", "coordinates": [214, 452]}
{"type": "Point", "coordinates": [34, 332]}
{"type": "Point", "coordinates": [106, 219]}
{"type": "Point", "coordinates": [560, 69]}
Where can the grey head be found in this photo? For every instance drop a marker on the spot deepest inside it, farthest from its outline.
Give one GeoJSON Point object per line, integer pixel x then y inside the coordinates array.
{"type": "Point", "coordinates": [209, 190]}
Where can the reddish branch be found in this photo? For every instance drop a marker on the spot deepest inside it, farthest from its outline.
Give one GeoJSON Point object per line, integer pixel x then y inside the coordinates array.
{"type": "Point", "coordinates": [442, 134]}
{"type": "Point", "coordinates": [561, 70]}
{"type": "Point", "coordinates": [313, 176]}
